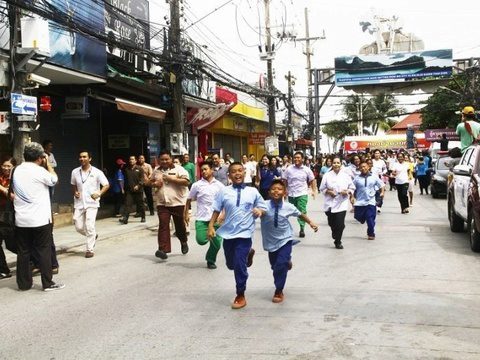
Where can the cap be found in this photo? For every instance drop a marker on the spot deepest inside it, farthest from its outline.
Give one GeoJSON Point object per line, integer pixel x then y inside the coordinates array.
{"type": "Point", "coordinates": [468, 110]}
{"type": "Point", "coordinates": [120, 162]}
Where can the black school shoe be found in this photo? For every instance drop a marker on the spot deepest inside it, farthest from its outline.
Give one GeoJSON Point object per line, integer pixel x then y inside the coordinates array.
{"type": "Point", "coordinates": [302, 233]}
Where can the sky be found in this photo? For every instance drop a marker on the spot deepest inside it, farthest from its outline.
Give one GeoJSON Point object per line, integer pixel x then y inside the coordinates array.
{"type": "Point", "coordinates": [232, 33]}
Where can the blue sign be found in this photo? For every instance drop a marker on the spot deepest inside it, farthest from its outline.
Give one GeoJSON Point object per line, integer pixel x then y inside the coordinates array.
{"type": "Point", "coordinates": [23, 104]}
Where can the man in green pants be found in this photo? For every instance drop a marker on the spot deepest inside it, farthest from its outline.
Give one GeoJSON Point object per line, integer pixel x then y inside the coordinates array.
{"type": "Point", "coordinates": [204, 191]}
{"type": "Point", "coordinates": [298, 178]}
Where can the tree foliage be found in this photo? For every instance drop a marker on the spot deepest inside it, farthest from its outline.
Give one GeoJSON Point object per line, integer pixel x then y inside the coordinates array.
{"type": "Point", "coordinates": [439, 113]}
{"type": "Point", "coordinates": [377, 112]}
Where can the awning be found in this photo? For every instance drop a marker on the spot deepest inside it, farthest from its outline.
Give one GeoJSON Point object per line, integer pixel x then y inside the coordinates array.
{"type": "Point", "coordinates": [141, 109]}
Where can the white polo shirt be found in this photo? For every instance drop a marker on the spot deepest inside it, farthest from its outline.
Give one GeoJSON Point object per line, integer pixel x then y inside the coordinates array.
{"type": "Point", "coordinates": [87, 182]}
{"type": "Point", "coordinates": [204, 192]}
{"type": "Point", "coordinates": [31, 184]}
{"type": "Point", "coordinates": [338, 183]}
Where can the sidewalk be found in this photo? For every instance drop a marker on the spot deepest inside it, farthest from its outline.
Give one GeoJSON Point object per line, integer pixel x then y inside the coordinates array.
{"type": "Point", "coordinates": [66, 237]}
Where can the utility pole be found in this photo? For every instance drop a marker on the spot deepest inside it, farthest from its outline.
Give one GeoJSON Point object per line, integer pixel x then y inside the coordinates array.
{"type": "Point", "coordinates": [20, 138]}
{"type": "Point", "coordinates": [176, 68]}
{"type": "Point", "coordinates": [270, 55]}
{"type": "Point", "coordinates": [289, 134]}
{"type": "Point", "coordinates": [309, 53]}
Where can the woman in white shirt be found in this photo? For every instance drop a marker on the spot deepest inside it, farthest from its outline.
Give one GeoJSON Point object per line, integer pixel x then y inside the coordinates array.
{"type": "Point", "coordinates": [337, 186]}
{"type": "Point", "coordinates": [400, 171]}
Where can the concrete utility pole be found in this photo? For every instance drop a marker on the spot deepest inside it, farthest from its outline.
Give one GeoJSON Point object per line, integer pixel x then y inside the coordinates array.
{"type": "Point", "coordinates": [269, 50]}
{"type": "Point", "coordinates": [20, 138]}
{"type": "Point", "coordinates": [289, 111]}
{"type": "Point", "coordinates": [309, 53]}
{"type": "Point", "coordinates": [176, 68]}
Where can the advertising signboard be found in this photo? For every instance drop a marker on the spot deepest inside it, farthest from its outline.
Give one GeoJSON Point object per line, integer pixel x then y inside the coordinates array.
{"type": "Point", "coordinates": [393, 68]}
{"type": "Point", "coordinates": [72, 50]}
{"type": "Point", "coordinates": [436, 134]}
{"type": "Point", "coordinates": [272, 146]}
{"type": "Point", "coordinates": [127, 21]}
{"type": "Point", "coordinates": [383, 142]}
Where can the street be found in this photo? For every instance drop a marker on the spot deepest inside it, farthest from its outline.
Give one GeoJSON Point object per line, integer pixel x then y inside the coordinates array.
{"type": "Point", "coordinates": [413, 293]}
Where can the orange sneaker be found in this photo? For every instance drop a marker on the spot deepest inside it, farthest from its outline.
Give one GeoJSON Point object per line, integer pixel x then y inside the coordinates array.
{"type": "Point", "coordinates": [239, 302]}
{"type": "Point", "coordinates": [277, 297]}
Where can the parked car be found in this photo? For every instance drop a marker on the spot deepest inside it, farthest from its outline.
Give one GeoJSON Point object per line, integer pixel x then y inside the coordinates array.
{"type": "Point", "coordinates": [439, 176]}
{"type": "Point", "coordinates": [463, 196]}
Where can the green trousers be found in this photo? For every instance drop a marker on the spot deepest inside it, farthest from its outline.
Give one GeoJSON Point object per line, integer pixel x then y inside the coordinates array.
{"type": "Point", "coordinates": [300, 202]}
{"type": "Point", "coordinates": [201, 229]}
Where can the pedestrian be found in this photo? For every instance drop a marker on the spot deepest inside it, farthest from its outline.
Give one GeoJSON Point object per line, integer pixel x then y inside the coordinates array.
{"type": "Point", "coordinates": [190, 167]}
{"type": "Point", "coordinates": [400, 172]}
{"type": "Point", "coordinates": [88, 185]}
{"type": "Point", "coordinates": [468, 129]}
{"type": "Point", "coordinates": [411, 178]}
{"type": "Point", "coordinates": [6, 230]}
{"type": "Point", "coordinates": [220, 171]}
{"type": "Point", "coordinates": [266, 174]}
{"type": "Point", "coordinates": [364, 200]}
{"type": "Point", "coordinates": [147, 173]}
{"type": "Point", "coordinates": [33, 216]}
{"type": "Point", "coordinates": [48, 147]}
{"type": "Point", "coordinates": [250, 170]}
{"type": "Point", "coordinates": [277, 235]}
{"type": "Point", "coordinates": [228, 159]}
{"type": "Point", "coordinates": [204, 192]}
{"type": "Point", "coordinates": [379, 169]}
{"type": "Point", "coordinates": [421, 170]}
{"type": "Point", "coordinates": [134, 180]}
{"type": "Point", "coordinates": [298, 178]}
{"type": "Point", "coordinates": [337, 186]}
{"type": "Point", "coordinates": [118, 186]}
{"type": "Point", "coordinates": [171, 189]}
{"type": "Point", "coordinates": [242, 205]}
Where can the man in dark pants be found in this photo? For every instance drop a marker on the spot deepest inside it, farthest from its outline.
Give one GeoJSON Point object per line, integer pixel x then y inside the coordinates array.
{"type": "Point", "coordinates": [33, 216]}
{"type": "Point", "coordinates": [147, 173]}
{"type": "Point", "coordinates": [171, 190]}
{"type": "Point", "coordinates": [134, 180]}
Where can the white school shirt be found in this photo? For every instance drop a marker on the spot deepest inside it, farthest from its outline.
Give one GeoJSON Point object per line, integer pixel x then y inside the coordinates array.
{"type": "Point", "coordinates": [204, 192]}
{"type": "Point", "coordinates": [31, 184]}
{"type": "Point", "coordinates": [402, 172]}
{"type": "Point", "coordinates": [87, 183]}
{"type": "Point", "coordinates": [336, 182]}
{"type": "Point", "coordinates": [379, 167]}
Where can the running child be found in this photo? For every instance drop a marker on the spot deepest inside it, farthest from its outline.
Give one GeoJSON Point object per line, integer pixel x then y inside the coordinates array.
{"type": "Point", "coordinates": [277, 234]}
{"type": "Point", "coordinates": [242, 205]}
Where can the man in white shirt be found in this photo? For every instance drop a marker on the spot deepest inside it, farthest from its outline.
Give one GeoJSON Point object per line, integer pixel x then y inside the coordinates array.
{"type": "Point", "coordinates": [88, 185]}
{"type": "Point", "coordinates": [33, 216]}
{"type": "Point", "coordinates": [250, 170]}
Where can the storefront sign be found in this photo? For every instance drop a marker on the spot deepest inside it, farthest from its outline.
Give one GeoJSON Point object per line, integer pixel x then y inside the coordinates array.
{"type": "Point", "coordinates": [436, 134]}
{"type": "Point", "coordinates": [118, 141]}
{"type": "Point", "coordinates": [384, 142]}
{"type": "Point", "coordinates": [257, 138]}
{"type": "Point", "coordinates": [71, 49]}
{"type": "Point", "coordinates": [203, 117]}
{"type": "Point", "coordinates": [127, 22]}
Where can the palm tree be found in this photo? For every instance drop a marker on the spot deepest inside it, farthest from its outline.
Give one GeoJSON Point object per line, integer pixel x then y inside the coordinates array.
{"type": "Point", "coordinates": [375, 114]}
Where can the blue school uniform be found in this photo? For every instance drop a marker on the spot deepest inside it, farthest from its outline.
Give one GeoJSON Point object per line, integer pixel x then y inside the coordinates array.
{"type": "Point", "coordinates": [277, 236]}
{"type": "Point", "coordinates": [238, 201]}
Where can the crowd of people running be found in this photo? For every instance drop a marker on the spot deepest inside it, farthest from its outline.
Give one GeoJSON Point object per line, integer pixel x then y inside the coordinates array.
{"type": "Point", "coordinates": [230, 196]}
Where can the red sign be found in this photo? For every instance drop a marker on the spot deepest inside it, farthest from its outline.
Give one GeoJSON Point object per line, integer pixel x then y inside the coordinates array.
{"type": "Point", "coordinates": [257, 138]}
{"type": "Point", "coordinates": [45, 103]}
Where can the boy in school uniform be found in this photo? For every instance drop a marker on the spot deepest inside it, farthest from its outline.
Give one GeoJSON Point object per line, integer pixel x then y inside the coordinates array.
{"type": "Point", "coordinates": [242, 205]}
{"type": "Point", "coordinates": [277, 234]}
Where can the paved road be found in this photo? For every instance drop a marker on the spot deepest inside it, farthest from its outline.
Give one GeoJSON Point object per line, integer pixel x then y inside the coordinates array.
{"type": "Point", "coordinates": [414, 293]}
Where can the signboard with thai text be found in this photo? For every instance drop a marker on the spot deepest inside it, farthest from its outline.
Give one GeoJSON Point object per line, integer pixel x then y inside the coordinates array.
{"type": "Point", "coordinates": [436, 134]}
{"type": "Point", "coordinates": [127, 22]}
